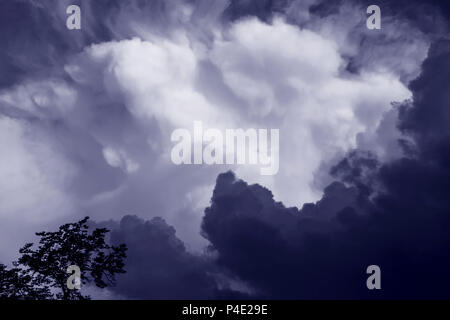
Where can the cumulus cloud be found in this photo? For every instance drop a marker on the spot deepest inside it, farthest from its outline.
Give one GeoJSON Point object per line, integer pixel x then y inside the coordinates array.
{"type": "Point", "coordinates": [393, 215]}
{"type": "Point", "coordinates": [293, 79]}
{"type": "Point", "coordinates": [160, 267]}
{"type": "Point", "coordinates": [86, 117]}
{"type": "Point", "coordinates": [268, 75]}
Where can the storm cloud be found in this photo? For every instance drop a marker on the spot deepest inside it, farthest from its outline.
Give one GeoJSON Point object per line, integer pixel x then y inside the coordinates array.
{"type": "Point", "coordinates": [394, 215]}
{"type": "Point", "coordinates": [86, 117]}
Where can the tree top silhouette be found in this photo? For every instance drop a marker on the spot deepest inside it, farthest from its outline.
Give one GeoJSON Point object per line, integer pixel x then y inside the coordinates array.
{"type": "Point", "coordinates": [41, 273]}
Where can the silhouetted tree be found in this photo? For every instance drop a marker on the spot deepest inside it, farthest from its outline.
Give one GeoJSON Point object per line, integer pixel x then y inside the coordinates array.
{"type": "Point", "coordinates": [16, 284]}
{"type": "Point", "coordinates": [41, 273]}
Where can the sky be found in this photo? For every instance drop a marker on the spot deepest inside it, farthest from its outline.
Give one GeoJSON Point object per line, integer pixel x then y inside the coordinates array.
{"type": "Point", "coordinates": [86, 118]}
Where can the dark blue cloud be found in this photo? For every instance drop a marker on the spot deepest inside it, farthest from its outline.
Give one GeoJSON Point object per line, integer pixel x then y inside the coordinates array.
{"type": "Point", "coordinates": [282, 252]}
{"type": "Point", "coordinates": [394, 215]}
{"type": "Point", "coordinates": [427, 15]}
{"type": "Point", "coordinates": [159, 266]}
{"type": "Point", "coordinates": [427, 118]}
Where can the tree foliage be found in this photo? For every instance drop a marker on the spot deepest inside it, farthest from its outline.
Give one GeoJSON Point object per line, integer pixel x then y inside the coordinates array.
{"type": "Point", "coordinates": [16, 284]}
{"type": "Point", "coordinates": [41, 273]}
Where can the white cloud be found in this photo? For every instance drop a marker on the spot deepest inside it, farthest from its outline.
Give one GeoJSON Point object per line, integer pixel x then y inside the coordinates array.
{"type": "Point", "coordinates": [264, 76]}
{"type": "Point", "coordinates": [33, 180]}
{"type": "Point", "coordinates": [285, 77]}
{"type": "Point", "coordinates": [292, 79]}
{"type": "Point", "coordinates": [119, 159]}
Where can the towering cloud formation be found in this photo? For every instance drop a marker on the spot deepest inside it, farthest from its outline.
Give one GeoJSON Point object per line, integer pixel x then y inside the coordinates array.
{"type": "Point", "coordinates": [158, 265]}
{"type": "Point", "coordinates": [86, 118]}
{"type": "Point", "coordinates": [394, 215]}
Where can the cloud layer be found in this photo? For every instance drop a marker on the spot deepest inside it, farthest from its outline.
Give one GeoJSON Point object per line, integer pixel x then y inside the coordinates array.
{"type": "Point", "coordinates": [393, 214]}
{"type": "Point", "coordinates": [86, 118]}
